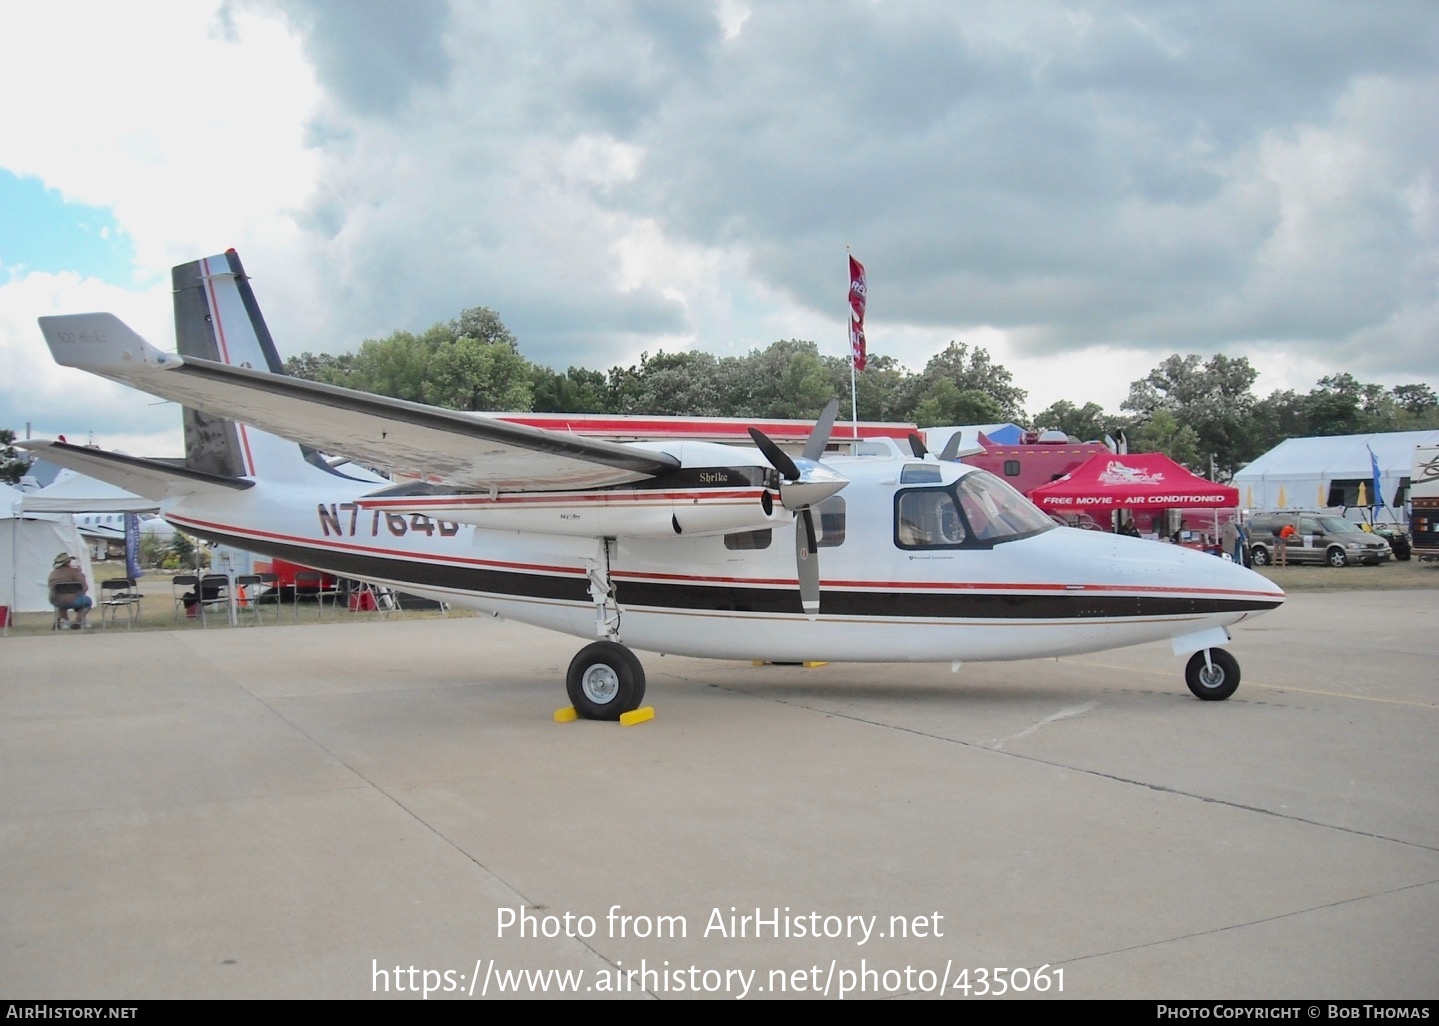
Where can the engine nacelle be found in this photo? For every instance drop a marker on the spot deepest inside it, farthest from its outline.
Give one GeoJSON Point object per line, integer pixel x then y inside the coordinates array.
{"type": "Point", "coordinates": [618, 513]}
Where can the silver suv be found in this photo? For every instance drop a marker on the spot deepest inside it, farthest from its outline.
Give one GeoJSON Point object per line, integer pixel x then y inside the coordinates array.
{"type": "Point", "coordinates": [1320, 538]}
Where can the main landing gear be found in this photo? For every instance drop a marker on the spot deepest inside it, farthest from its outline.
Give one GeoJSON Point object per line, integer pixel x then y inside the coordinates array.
{"type": "Point", "coordinates": [1212, 674]}
{"type": "Point", "coordinates": [605, 681]}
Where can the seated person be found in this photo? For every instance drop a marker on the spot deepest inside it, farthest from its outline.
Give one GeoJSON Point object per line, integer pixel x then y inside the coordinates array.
{"type": "Point", "coordinates": [66, 572]}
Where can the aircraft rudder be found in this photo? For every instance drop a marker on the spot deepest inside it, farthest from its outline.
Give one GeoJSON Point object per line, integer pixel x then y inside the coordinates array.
{"type": "Point", "coordinates": [218, 318]}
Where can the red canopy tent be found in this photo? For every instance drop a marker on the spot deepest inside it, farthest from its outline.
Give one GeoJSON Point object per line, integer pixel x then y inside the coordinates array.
{"type": "Point", "coordinates": [1148, 480]}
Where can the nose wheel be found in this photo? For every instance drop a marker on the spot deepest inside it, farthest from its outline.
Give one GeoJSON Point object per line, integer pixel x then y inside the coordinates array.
{"type": "Point", "coordinates": [1212, 675]}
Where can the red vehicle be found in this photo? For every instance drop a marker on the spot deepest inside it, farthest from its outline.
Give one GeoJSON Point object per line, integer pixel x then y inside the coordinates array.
{"type": "Point", "coordinates": [1032, 463]}
{"type": "Point", "coordinates": [285, 572]}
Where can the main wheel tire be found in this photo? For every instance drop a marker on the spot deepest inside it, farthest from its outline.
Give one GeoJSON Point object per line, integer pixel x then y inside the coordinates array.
{"type": "Point", "coordinates": [1213, 680]}
{"type": "Point", "coordinates": [604, 681]}
{"type": "Point", "coordinates": [1337, 558]}
{"type": "Point", "coordinates": [1259, 556]}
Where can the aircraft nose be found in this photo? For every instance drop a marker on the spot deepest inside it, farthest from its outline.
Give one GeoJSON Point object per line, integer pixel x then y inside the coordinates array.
{"type": "Point", "coordinates": [1234, 576]}
{"type": "Point", "coordinates": [816, 483]}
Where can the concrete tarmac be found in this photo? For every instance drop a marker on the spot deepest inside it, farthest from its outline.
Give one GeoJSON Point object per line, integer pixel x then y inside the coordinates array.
{"type": "Point", "coordinates": [388, 808]}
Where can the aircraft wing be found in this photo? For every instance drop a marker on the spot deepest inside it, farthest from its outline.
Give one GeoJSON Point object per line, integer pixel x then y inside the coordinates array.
{"type": "Point", "coordinates": [461, 450]}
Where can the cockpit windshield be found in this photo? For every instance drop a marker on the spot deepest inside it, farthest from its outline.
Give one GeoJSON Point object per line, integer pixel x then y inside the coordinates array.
{"type": "Point", "coordinates": [977, 511]}
{"type": "Point", "coordinates": [996, 511]}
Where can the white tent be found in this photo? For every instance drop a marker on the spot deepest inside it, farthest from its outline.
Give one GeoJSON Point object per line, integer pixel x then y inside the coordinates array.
{"type": "Point", "coordinates": [28, 545]}
{"type": "Point", "coordinates": [71, 492]}
{"type": "Point", "coordinates": [1303, 473]}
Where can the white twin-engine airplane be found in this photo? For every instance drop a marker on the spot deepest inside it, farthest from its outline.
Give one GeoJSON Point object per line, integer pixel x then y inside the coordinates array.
{"type": "Point", "coordinates": [671, 547]}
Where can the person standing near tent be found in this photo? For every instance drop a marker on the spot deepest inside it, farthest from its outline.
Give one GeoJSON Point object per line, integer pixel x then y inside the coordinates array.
{"type": "Point", "coordinates": [1229, 540]}
{"type": "Point", "coordinates": [66, 572]}
{"type": "Point", "coordinates": [1281, 544]}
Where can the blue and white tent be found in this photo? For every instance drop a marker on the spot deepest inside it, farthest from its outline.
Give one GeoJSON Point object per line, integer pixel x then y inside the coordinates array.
{"type": "Point", "coordinates": [1319, 473]}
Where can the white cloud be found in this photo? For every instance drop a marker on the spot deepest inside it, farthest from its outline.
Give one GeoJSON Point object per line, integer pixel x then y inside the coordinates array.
{"type": "Point", "coordinates": [1081, 192]}
{"type": "Point", "coordinates": [56, 400]}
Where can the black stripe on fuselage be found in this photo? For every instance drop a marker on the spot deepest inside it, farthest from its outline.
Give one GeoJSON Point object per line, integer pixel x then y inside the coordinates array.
{"type": "Point", "coordinates": [729, 597]}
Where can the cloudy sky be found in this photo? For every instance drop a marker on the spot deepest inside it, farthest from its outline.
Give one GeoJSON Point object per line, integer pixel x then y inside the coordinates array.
{"type": "Point", "coordinates": [1081, 188]}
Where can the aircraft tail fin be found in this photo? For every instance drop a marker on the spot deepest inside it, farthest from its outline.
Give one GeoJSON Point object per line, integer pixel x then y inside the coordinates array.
{"type": "Point", "coordinates": [218, 318]}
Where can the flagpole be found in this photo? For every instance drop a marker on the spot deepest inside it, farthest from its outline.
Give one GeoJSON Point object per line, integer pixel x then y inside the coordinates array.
{"type": "Point", "coordinates": [853, 394]}
{"type": "Point", "coordinates": [850, 321]}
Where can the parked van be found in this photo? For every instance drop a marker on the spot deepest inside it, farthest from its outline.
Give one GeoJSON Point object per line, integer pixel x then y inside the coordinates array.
{"type": "Point", "coordinates": [1322, 538]}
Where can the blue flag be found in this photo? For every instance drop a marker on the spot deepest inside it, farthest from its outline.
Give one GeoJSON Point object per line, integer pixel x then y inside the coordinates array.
{"type": "Point", "coordinates": [1374, 468]}
{"type": "Point", "coordinates": [132, 547]}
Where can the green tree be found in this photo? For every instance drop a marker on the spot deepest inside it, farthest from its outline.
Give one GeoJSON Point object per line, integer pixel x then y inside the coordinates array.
{"type": "Point", "coordinates": [673, 384]}
{"type": "Point", "coordinates": [13, 462]}
{"type": "Point", "coordinates": [1417, 400]}
{"type": "Point", "coordinates": [880, 389]}
{"type": "Point", "coordinates": [1162, 432]}
{"type": "Point", "coordinates": [153, 549]}
{"type": "Point", "coordinates": [331, 370]}
{"type": "Point", "coordinates": [478, 322]}
{"type": "Point", "coordinates": [396, 366]}
{"type": "Point", "coordinates": [786, 380]}
{"type": "Point", "coordinates": [1212, 398]}
{"type": "Point", "coordinates": [470, 374]}
{"type": "Point", "coordinates": [969, 370]}
{"type": "Point", "coordinates": [576, 391]}
{"type": "Point", "coordinates": [182, 546]}
{"type": "Point", "coordinates": [944, 403]}
{"type": "Point", "coordinates": [1086, 423]}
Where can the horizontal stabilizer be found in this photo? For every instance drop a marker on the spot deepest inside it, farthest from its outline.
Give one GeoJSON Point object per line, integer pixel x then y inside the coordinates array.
{"type": "Point", "coordinates": [152, 479]}
{"type": "Point", "coordinates": [102, 344]}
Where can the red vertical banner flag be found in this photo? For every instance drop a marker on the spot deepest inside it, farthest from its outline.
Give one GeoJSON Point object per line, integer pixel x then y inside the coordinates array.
{"type": "Point", "coordinates": [856, 342]}
{"type": "Point", "coordinates": [857, 292]}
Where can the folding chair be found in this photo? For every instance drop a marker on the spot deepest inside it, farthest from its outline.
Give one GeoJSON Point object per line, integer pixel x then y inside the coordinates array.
{"type": "Point", "coordinates": [214, 591]}
{"type": "Point", "coordinates": [184, 584]}
{"type": "Point", "coordinates": [270, 589]}
{"type": "Point", "coordinates": [68, 591]}
{"type": "Point", "coordinates": [116, 594]}
{"type": "Point", "coordinates": [247, 595]}
{"type": "Point", "coordinates": [372, 598]}
{"type": "Point", "coordinates": [312, 583]}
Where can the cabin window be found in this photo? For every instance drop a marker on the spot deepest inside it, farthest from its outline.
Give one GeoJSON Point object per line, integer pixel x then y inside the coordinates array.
{"type": "Point", "coordinates": [747, 540]}
{"type": "Point", "coordinates": [1011, 468]}
{"type": "Point", "coordinates": [830, 523]}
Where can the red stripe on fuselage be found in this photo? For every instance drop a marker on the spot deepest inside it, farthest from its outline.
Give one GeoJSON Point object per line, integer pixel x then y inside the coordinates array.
{"type": "Point", "coordinates": [762, 582]}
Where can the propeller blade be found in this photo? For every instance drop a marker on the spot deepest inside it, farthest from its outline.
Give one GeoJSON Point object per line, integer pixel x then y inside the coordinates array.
{"type": "Point", "coordinates": [819, 434]}
{"type": "Point", "coordinates": [916, 445]}
{"type": "Point", "coordinates": [806, 557]}
{"type": "Point", "coordinates": [951, 448]}
{"type": "Point", "coordinates": [801, 486]}
{"type": "Point", "coordinates": [778, 458]}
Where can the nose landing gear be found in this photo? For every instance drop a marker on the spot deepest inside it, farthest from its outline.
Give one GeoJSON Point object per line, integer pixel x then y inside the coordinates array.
{"type": "Point", "coordinates": [1212, 674]}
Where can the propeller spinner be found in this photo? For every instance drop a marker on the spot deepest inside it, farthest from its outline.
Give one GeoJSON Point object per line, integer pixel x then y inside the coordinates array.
{"type": "Point", "coordinates": [802, 484]}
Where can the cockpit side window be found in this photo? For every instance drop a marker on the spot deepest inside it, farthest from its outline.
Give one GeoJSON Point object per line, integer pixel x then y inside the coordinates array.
{"type": "Point", "coordinates": [927, 518]}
